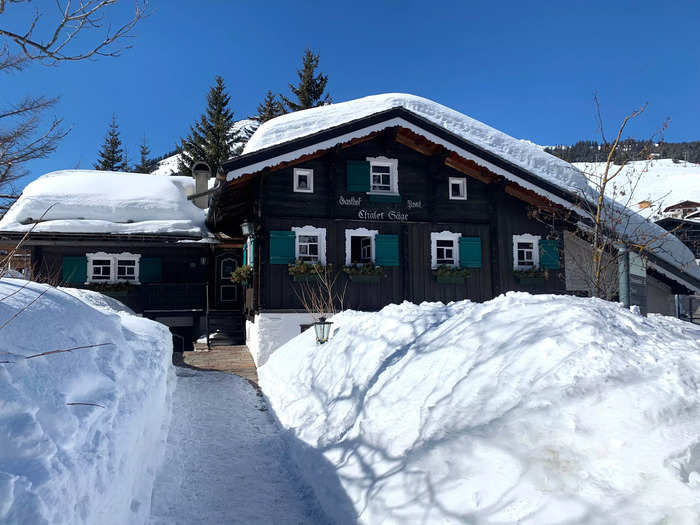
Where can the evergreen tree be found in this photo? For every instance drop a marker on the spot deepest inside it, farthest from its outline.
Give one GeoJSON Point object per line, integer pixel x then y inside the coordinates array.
{"type": "Point", "coordinates": [145, 165]}
{"type": "Point", "coordinates": [310, 89]}
{"type": "Point", "coordinates": [269, 108]}
{"type": "Point", "coordinates": [210, 138]}
{"type": "Point", "coordinates": [111, 155]}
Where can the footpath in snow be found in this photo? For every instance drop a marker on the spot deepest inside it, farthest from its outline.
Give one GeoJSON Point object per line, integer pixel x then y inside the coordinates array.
{"type": "Point", "coordinates": [225, 459]}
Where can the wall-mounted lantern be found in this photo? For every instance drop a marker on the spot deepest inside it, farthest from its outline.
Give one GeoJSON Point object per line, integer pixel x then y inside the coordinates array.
{"type": "Point", "coordinates": [322, 329]}
{"type": "Point", "coordinates": [248, 228]}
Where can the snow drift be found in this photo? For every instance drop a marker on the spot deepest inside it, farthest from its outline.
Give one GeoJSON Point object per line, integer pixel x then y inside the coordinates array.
{"type": "Point", "coordinates": [524, 409]}
{"type": "Point", "coordinates": [81, 432]}
{"type": "Point", "coordinates": [84, 201]}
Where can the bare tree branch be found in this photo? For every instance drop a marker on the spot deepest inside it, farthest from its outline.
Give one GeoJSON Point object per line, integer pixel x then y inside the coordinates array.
{"type": "Point", "coordinates": [86, 16]}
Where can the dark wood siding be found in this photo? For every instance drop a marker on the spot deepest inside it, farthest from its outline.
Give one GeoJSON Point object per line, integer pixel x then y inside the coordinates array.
{"type": "Point", "coordinates": [182, 283]}
{"type": "Point", "coordinates": [488, 213]}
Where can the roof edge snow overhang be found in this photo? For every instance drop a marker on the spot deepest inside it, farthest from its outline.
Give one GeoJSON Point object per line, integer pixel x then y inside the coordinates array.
{"type": "Point", "coordinates": [290, 150]}
{"type": "Point", "coordinates": [37, 238]}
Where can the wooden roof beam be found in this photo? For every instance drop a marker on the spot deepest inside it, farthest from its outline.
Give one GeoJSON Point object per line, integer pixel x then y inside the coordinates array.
{"type": "Point", "coordinates": [470, 168]}
{"type": "Point", "coordinates": [417, 142]}
{"type": "Point", "coordinates": [530, 197]}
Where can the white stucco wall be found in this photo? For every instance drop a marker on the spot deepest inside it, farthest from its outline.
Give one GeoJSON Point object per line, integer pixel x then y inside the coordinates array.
{"type": "Point", "coordinates": [268, 331]}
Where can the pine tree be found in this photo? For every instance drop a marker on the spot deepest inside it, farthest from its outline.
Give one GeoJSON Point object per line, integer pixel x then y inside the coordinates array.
{"type": "Point", "coordinates": [269, 108]}
{"type": "Point", "coordinates": [144, 165]}
{"type": "Point", "coordinates": [111, 155]}
{"type": "Point", "coordinates": [210, 138]}
{"type": "Point", "coordinates": [310, 89]}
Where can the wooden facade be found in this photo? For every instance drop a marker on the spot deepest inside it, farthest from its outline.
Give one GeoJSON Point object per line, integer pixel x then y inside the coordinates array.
{"type": "Point", "coordinates": [493, 212]}
{"type": "Point", "coordinates": [183, 284]}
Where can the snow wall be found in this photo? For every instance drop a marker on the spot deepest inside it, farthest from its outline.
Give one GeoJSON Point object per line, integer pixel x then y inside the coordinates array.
{"type": "Point", "coordinates": [524, 409]}
{"type": "Point", "coordinates": [267, 332]}
{"type": "Point", "coordinates": [81, 432]}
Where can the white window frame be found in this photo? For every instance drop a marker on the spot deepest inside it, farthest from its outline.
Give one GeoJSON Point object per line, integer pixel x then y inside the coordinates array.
{"type": "Point", "coordinates": [393, 175]}
{"type": "Point", "coordinates": [358, 232]}
{"type": "Point", "coordinates": [311, 230]}
{"type": "Point", "coordinates": [443, 236]}
{"type": "Point", "coordinates": [113, 259]}
{"type": "Point", "coordinates": [310, 177]}
{"type": "Point", "coordinates": [535, 240]}
{"type": "Point", "coordinates": [462, 181]}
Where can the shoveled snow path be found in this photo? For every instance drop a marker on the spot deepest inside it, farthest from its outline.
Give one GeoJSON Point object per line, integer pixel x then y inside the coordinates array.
{"type": "Point", "coordinates": [225, 460]}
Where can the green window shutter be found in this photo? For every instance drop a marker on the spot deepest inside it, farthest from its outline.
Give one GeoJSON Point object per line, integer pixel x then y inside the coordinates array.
{"type": "Point", "coordinates": [74, 270]}
{"type": "Point", "coordinates": [282, 249]}
{"type": "Point", "coordinates": [245, 254]}
{"type": "Point", "coordinates": [470, 252]}
{"type": "Point", "coordinates": [549, 254]}
{"type": "Point", "coordinates": [151, 270]}
{"type": "Point", "coordinates": [387, 250]}
{"type": "Point", "coordinates": [358, 175]}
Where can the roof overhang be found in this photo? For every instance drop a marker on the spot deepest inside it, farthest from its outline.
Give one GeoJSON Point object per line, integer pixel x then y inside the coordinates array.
{"type": "Point", "coordinates": [61, 238]}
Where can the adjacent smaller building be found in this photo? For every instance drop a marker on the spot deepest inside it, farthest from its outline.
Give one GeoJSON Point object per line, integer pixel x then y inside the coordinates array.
{"type": "Point", "coordinates": [135, 237]}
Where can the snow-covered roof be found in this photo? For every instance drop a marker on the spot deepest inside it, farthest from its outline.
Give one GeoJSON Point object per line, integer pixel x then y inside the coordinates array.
{"type": "Point", "coordinates": [86, 201]}
{"type": "Point", "coordinates": [523, 154]}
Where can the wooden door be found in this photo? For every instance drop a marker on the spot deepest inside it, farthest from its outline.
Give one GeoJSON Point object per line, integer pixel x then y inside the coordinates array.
{"type": "Point", "coordinates": [228, 295]}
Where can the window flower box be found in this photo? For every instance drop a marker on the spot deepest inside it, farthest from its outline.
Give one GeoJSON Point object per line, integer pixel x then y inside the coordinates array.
{"type": "Point", "coordinates": [531, 278]}
{"type": "Point", "coordinates": [303, 271]}
{"type": "Point", "coordinates": [450, 275]}
{"type": "Point", "coordinates": [111, 289]}
{"type": "Point", "coordinates": [364, 273]}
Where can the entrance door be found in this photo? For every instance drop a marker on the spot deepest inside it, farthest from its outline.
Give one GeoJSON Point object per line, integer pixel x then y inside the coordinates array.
{"type": "Point", "coordinates": [228, 294]}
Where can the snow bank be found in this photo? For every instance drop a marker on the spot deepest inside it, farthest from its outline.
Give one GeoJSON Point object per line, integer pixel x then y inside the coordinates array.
{"type": "Point", "coordinates": [64, 463]}
{"type": "Point", "coordinates": [528, 409]}
{"type": "Point", "coordinates": [83, 201]}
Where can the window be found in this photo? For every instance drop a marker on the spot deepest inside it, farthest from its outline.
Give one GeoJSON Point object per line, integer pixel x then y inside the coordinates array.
{"type": "Point", "coordinates": [307, 248]}
{"type": "Point", "coordinates": [359, 246]}
{"type": "Point", "coordinates": [228, 266]}
{"type": "Point", "coordinates": [113, 267]}
{"type": "Point", "coordinates": [126, 269]}
{"type": "Point", "coordinates": [526, 251]}
{"type": "Point", "coordinates": [445, 251]}
{"type": "Point", "coordinates": [101, 269]}
{"type": "Point", "coordinates": [458, 189]}
{"type": "Point", "coordinates": [383, 173]}
{"type": "Point", "coordinates": [444, 248]}
{"type": "Point", "coordinates": [303, 180]}
{"type": "Point", "coordinates": [310, 244]}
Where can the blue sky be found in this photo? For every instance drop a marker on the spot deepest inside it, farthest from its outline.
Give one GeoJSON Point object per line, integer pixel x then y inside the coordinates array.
{"type": "Point", "coordinates": [528, 69]}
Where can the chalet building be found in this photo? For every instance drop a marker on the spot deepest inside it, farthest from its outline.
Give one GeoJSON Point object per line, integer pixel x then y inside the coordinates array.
{"type": "Point", "coordinates": [136, 238]}
{"type": "Point", "coordinates": [409, 201]}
